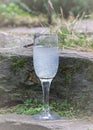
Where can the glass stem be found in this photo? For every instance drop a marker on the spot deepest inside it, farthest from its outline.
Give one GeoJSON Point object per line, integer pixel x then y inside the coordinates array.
{"type": "Point", "coordinates": [46, 88]}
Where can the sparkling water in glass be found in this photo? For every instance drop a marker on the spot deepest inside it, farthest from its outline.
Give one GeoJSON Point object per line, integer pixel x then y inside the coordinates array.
{"type": "Point", "coordinates": [46, 61]}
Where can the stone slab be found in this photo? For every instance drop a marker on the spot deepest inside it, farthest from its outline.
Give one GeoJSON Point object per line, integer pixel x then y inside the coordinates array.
{"type": "Point", "coordinates": [74, 79]}
{"type": "Point", "coordinates": [24, 122]}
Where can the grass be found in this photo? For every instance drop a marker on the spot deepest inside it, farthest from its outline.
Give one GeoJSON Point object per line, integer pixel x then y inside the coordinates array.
{"type": "Point", "coordinates": [31, 107]}
{"type": "Point", "coordinates": [72, 40]}
{"type": "Point", "coordinates": [13, 15]}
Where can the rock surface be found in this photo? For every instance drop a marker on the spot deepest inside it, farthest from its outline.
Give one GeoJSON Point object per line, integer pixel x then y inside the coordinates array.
{"type": "Point", "coordinates": [84, 26]}
{"type": "Point", "coordinates": [73, 82]}
{"type": "Point", "coordinates": [22, 122]}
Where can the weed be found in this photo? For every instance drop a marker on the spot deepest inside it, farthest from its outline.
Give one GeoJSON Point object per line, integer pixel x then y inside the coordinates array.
{"type": "Point", "coordinates": [70, 39]}
{"type": "Point", "coordinates": [30, 106]}
{"type": "Point", "coordinates": [33, 106]}
{"type": "Point", "coordinates": [63, 109]}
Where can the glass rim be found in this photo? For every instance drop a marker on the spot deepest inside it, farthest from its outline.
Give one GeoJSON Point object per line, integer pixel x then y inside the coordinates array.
{"type": "Point", "coordinates": [39, 36]}
{"type": "Point", "coordinates": [46, 34]}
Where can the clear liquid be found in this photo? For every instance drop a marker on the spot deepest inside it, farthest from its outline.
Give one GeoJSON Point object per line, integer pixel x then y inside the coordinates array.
{"type": "Point", "coordinates": [46, 60]}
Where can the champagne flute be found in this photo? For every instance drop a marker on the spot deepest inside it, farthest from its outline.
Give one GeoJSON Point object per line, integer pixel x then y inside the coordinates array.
{"type": "Point", "coordinates": [46, 61]}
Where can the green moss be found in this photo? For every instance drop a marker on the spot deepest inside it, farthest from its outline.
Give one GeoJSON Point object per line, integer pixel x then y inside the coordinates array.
{"type": "Point", "coordinates": [70, 70]}
{"type": "Point", "coordinates": [72, 66]}
{"type": "Point", "coordinates": [2, 58]}
{"type": "Point", "coordinates": [2, 90]}
{"type": "Point", "coordinates": [18, 63]}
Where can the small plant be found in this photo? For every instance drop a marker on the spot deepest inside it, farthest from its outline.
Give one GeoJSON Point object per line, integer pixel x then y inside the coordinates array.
{"type": "Point", "coordinates": [33, 106]}
{"type": "Point", "coordinates": [70, 39]}
{"type": "Point", "coordinates": [64, 109]}
{"type": "Point", "coordinates": [30, 106]}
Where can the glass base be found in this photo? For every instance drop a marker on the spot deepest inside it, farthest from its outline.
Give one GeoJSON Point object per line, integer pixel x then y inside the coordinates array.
{"type": "Point", "coordinates": [44, 116]}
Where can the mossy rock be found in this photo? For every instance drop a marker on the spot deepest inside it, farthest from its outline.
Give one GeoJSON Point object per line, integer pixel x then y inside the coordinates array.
{"type": "Point", "coordinates": [73, 82]}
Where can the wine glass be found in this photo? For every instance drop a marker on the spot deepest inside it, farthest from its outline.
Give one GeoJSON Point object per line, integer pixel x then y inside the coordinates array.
{"type": "Point", "coordinates": [46, 61]}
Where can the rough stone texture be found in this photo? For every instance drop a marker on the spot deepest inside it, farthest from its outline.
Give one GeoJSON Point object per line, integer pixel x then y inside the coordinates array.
{"type": "Point", "coordinates": [84, 26]}
{"type": "Point", "coordinates": [12, 41]}
{"type": "Point", "coordinates": [74, 80]}
{"type": "Point", "coordinates": [23, 122]}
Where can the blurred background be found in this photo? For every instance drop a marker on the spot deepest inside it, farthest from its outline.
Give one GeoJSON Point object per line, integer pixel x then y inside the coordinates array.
{"type": "Point", "coordinates": [72, 20]}
{"type": "Point", "coordinates": [43, 12]}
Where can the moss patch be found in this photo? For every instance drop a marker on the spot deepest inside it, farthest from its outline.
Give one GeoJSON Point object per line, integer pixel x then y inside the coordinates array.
{"type": "Point", "coordinates": [18, 63]}
{"type": "Point", "coordinates": [2, 57]}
